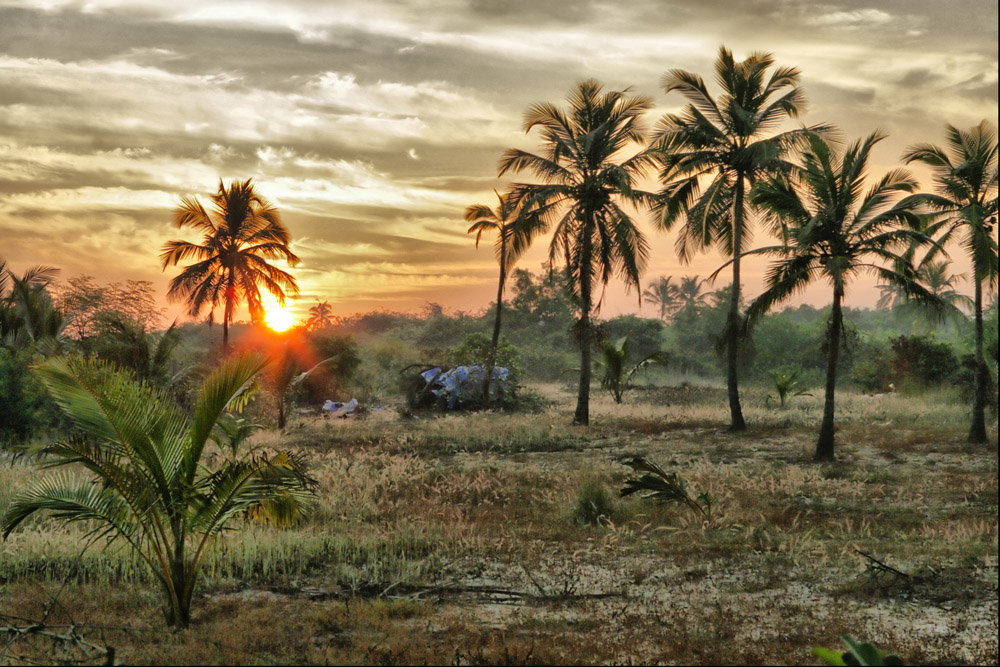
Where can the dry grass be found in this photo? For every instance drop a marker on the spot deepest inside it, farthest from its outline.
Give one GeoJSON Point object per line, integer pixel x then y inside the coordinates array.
{"type": "Point", "coordinates": [452, 539]}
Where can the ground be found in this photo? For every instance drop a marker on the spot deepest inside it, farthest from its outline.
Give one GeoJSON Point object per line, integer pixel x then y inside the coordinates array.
{"type": "Point", "coordinates": [500, 539]}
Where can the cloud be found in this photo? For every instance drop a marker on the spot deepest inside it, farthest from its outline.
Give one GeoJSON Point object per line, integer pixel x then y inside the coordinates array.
{"type": "Point", "coordinates": [857, 18]}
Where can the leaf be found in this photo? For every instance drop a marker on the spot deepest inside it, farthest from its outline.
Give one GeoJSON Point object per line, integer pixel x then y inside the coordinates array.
{"type": "Point", "coordinates": [829, 656]}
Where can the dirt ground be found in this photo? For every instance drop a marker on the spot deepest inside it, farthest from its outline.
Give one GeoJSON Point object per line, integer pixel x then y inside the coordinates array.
{"type": "Point", "coordinates": [501, 539]}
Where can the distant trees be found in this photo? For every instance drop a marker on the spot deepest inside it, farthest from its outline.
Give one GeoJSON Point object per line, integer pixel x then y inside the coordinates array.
{"type": "Point", "coordinates": [711, 154]}
{"type": "Point", "coordinates": [85, 304]}
{"type": "Point", "coordinates": [241, 233]}
{"type": "Point", "coordinates": [836, 229]}
{"type": "Point", "coordinates": [965, 207]}
{"type": "Point", "coordinates": [586, 176]}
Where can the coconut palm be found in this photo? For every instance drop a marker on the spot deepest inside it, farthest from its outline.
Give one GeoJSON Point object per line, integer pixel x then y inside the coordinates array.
{"type": "Point", "coordinates": [588, 168]}
{"type": "Point", "coordinates": [664, 294]}
{"type": "Point", "coordinates": [239, 235]}
{"type": "Point", "coordinates": [149, 485]}
{"type": "Point", "coordinates": [835, 230]}
{"type": "Point", "coordinates": [712, 153]}
{"type": "Point", "coordinates": [691, 292]}
{"type": "Point", "coordinates": [320, 316]}
{"type": "Point", "coordinates": [939, 282]}
{"type": "Point", "coordinates": [965, 208]}
{"type": "Point", "coordinates": [515, 228]}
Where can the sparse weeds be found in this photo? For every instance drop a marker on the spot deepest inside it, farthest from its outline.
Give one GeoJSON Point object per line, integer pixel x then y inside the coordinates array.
{"type": "Point", "coordinates": [419, 520]}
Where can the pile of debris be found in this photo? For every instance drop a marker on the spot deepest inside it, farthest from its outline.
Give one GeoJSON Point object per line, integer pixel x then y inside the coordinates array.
{"type": "Point", "coordinates": [459, 388]}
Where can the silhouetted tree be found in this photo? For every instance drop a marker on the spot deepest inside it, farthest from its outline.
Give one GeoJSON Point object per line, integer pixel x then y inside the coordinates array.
{"type": "Point", "coordinates": [835, 229]}
{"type": "Point", "coordinates": [238, 236]}
{"type": "Point", "coordinates": [712, 153]}
{"type": "Point", "coordinates": [515, 226]}
{"type": "Point", "coordinates": [965, 205]}
{"type": "Point", "coordinates": [587, 173]}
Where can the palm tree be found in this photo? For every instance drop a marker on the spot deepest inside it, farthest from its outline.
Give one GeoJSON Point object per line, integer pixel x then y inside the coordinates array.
{"type": "Point", "coordinates": [150, 486]}
{"type": "Point", "coordinates": [240, 233]}
{"type": "Point", "coordinates": [588, 170]}
{"type": "Point", "coordinates": [691, 293]}
{"type": "Point", "coordinates": [320, 316]}
{"type": "Point", "coordinates": [834, 229]}
{"type": "Point", "coordinates": [965, 207]}
{"type": "Point", "coordinates": [515, 229]}
{"type": "Point", "coordinates": [725, 142]}
{"type": "Point", "coordinates": [27, 313]}
{"type": "Point", "coordinates": [939, 282]}
{"type": "Point", "coordinates": [665, 294]}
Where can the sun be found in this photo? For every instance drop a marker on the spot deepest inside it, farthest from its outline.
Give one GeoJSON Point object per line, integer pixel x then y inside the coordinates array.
{"type": "Point", "coordinates": [276, 317]}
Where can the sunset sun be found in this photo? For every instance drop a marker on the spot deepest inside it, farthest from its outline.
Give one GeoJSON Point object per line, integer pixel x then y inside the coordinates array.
{"type": "Point", "coordinates": [279, 319]}
{"type": "Point", "coordinates": [276, 317]}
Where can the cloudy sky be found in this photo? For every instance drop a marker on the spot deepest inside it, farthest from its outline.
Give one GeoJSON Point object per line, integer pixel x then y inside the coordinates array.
{"type": "Point", "coordinates": [372, 124]}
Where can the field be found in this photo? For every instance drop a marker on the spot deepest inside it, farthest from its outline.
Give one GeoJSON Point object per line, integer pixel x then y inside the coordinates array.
{"type": "Point", "coordinates": [500, 539]}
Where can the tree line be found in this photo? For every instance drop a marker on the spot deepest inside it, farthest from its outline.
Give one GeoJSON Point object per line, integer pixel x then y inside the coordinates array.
{"type": "Point", "coordinates": [720, 161]}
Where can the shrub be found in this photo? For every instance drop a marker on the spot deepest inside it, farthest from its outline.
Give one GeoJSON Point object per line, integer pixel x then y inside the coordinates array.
{"type": "Point", "coordinates": [592, 503]}
{"type": "Point", "coordinates": [922, 361]}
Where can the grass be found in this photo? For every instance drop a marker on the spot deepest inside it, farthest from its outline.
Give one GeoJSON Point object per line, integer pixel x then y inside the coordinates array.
{"type": "Point", "coordinates": [498, 539]}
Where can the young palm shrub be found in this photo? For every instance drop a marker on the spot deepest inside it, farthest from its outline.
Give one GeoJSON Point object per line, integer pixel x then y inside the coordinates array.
{"type": "Point", "coordinates": [786, 384]}
{"type": "Point", "coordinates": [149, 484]}
{"type": "Point", "coordinates": [833, 228]}
{"type": "Point", "coordinates": [617, 375]}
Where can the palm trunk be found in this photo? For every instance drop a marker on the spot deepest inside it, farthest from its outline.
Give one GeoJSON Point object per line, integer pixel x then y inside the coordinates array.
{"type": "Point", "coordinates": [582, 415]}
{"type": "Point", "coordinates": [491, 361]}
{"type": "Point", "coordinates": [824, 446]}
{"type": "Point", "coordinates": [228, 314]}
{"type": "Point", "coordinates": [733, 327]}
{"type": "Point", "coordinates": [977, 432]}
{"type": "Point", "coordinates": [179, 612]}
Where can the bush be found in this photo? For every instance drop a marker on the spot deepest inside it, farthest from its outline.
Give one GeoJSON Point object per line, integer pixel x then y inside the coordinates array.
{"type": "Point", "coordinates": [25, 410]}
{"type": "Point", "coordinates": [922, 361]}
{"type": "Point", "coordinates": [330, 379]}
{"type": "Point", "coordinates": [592, 504]}
{"type": "Point", "coordinates": [475, 351]}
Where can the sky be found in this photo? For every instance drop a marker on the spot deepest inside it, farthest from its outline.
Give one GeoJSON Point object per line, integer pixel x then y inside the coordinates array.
{"type": "Point", "coordinates": [373, 124]}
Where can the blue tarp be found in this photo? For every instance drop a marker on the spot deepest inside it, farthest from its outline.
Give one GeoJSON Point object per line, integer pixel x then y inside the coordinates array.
{"type": "Point", "coordinates": [464, 384]}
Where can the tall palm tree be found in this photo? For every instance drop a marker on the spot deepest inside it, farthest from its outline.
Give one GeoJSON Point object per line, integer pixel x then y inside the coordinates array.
{"type": "Point", "coordinates": [320, 316]}
{"type": "Point", "coordinates": [239, 235]}
{"type": "Point", "coordinates": [834, 229]}
{"type": "Point", "coordinates": [589, 167]}
{"type": "Point", "coordinates": [515, 226]}
{"type": "Point", "coordinates": [150, 485]}
{"type": "Point", "coordinates": [664, 294]}
{"type": "Point", "coordinates": [712, 153]}
{"type": "Point", "coordinates": [965, 204]}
